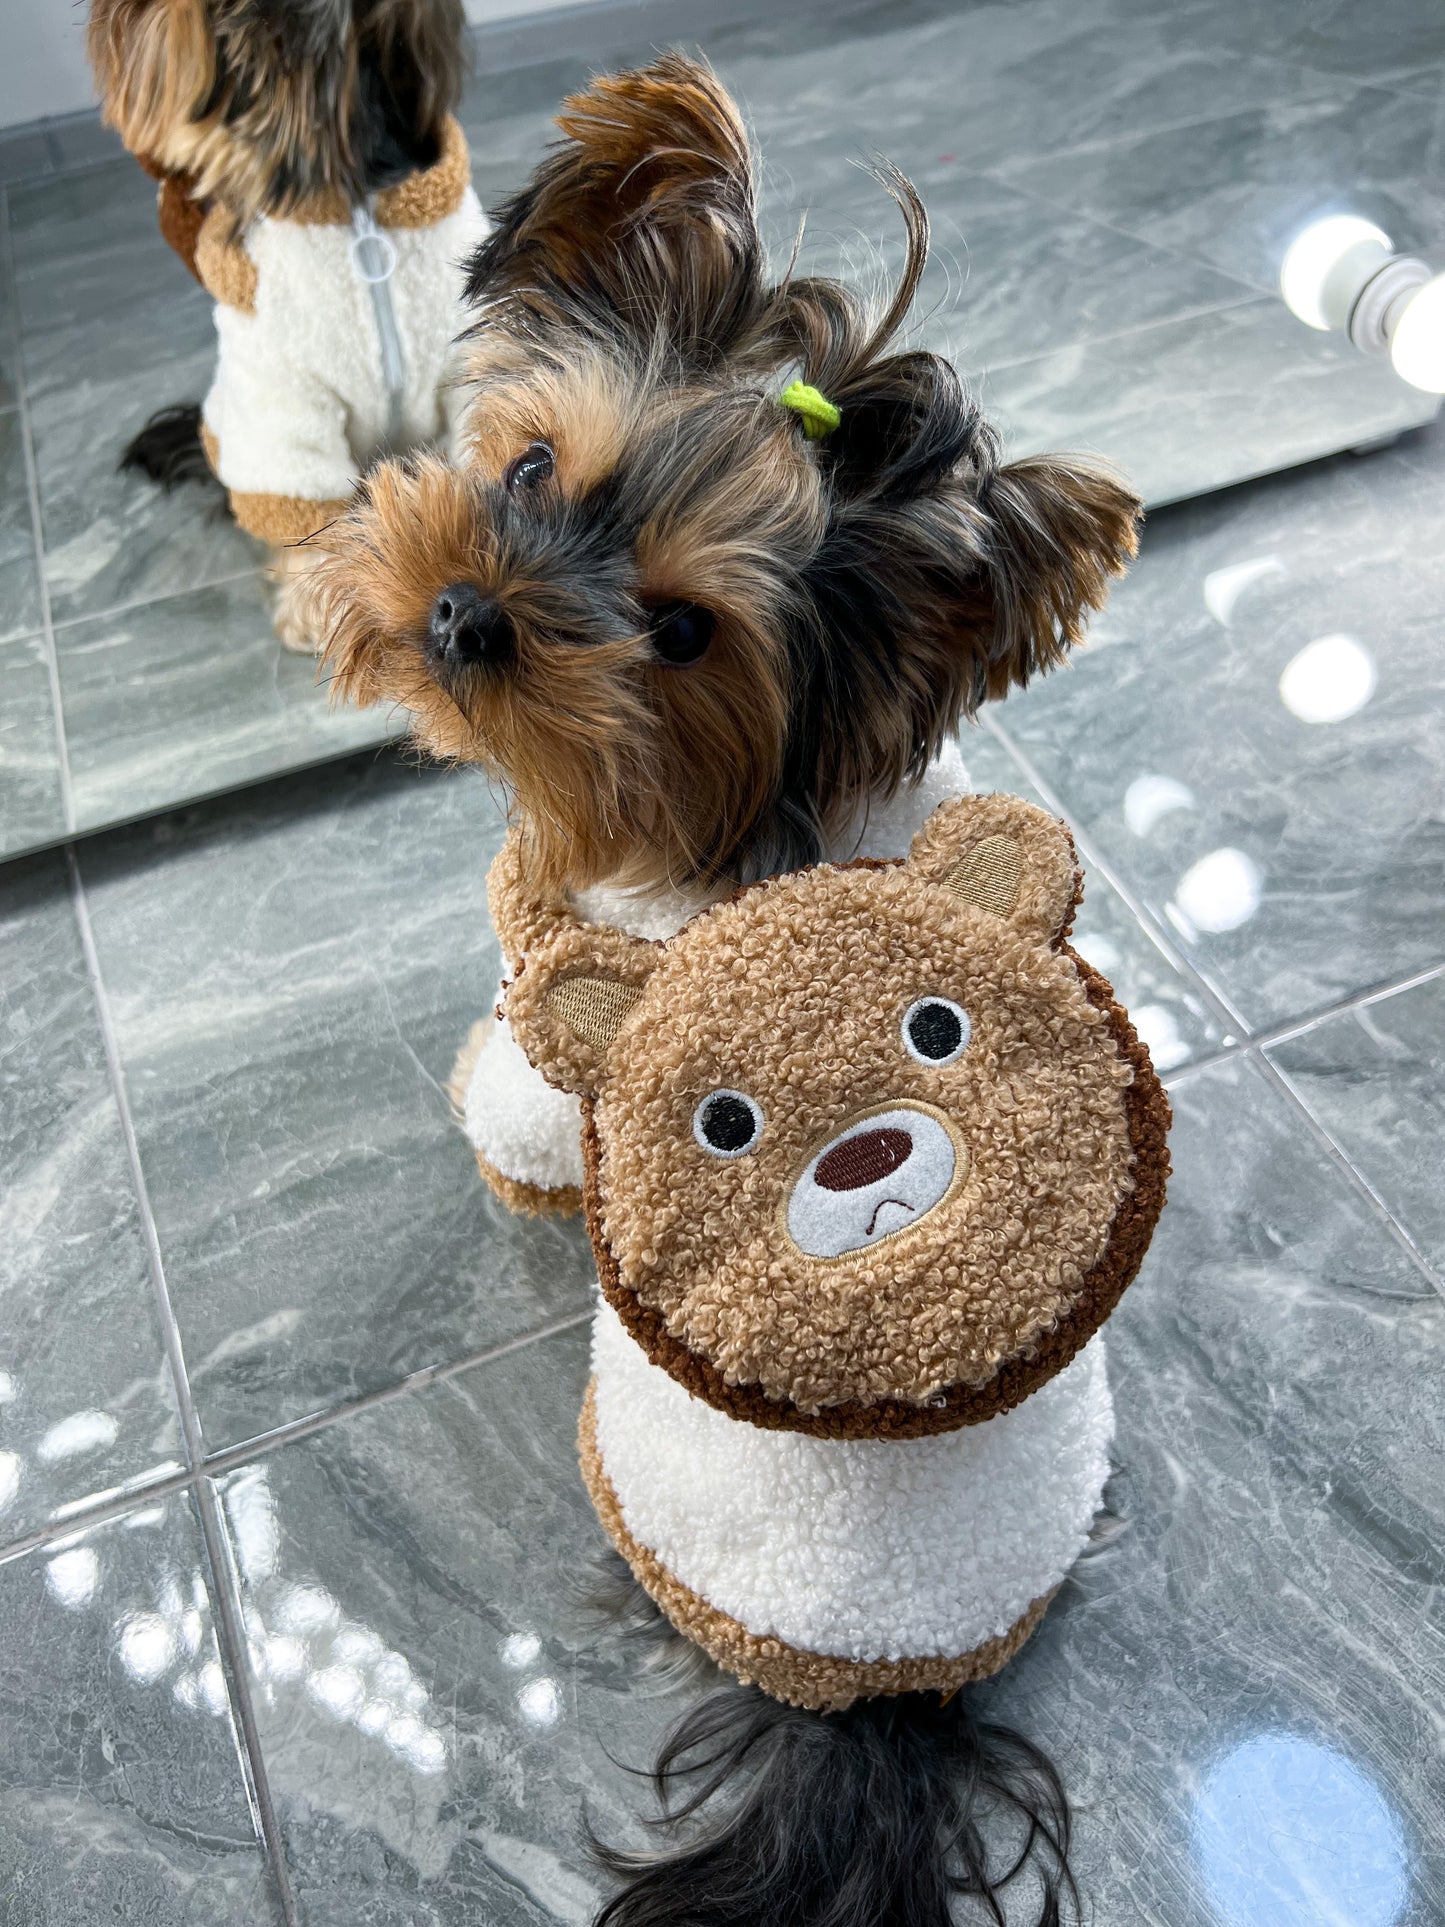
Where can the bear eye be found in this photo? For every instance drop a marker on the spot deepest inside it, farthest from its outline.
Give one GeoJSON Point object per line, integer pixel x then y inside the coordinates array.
{"type": "Point", "coordinates": [936, 1030]}
{"type": "Point", "coordinates": [681, 632]}
{"type": "Point", "coordinates": [727, 1123]}
{"type": "Point", "coordinates": [529, 470]}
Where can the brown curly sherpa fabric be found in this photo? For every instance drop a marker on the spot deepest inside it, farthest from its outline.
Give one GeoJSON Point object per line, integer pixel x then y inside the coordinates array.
{"type": "Point", "coordinates": [822, 1681]}
{"type": "Point", "coordinates": [793, 994]}
{"type": "Point", "coordinates": [222, 265]}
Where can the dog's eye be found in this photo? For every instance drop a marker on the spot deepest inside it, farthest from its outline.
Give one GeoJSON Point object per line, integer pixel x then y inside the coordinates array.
{"type": "Point", "coordinates": [936, 1030]}
{"type": "Point", "coordinates": [727, 1123]}
{"type": "Point", "coordinates": [681, 631]}
{"type": "Point", "coordinates": [530, 469]}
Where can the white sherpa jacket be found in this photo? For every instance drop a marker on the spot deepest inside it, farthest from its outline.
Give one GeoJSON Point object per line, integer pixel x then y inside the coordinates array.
{"type": "Point", "coordinates": [322, 369]}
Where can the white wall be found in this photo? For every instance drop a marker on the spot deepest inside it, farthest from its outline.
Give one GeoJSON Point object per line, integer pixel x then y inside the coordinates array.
{"type": "Point", "coordinates": [484, 12]}
{"type": "Point", "coordinates": [42, 59]}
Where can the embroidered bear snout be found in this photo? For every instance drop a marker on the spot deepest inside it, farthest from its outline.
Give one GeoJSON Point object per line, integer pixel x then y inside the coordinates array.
{"type": "Point", "coordinates": [863, 1160]}
{"type": "Point", "coordinates": [877, 1178]}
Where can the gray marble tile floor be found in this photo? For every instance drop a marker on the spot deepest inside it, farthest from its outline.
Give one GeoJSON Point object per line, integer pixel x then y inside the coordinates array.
{"type": "Point", "coordinates": [1374, 1076]}
{"type": "Point", "coordinates": [1111, 183]}
{"type": "Point", "coordinates": [324, 949]}
{"type": "Point", "coordinates": [290, 1522]}
{"type": "Point", "coordinates": [32, 804]}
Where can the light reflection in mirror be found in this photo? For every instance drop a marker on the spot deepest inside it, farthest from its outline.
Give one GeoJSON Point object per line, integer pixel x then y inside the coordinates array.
{"type": "Point", "coordinates": [540, 1703]}
{"type": "Point", "coordinates": [81, 1432]}
{"type": "Point", "coordinates": [1219, 893]}
{"type": "Point", "coordinates": [298, 1635]}
{"type": "Point", "coordinates": [1149, 797]}
{"type": "Point", "coordinates": [1159, 1028]}
{"type": "Point", "coordinates": [71, 1577]}
{"type": "Point", "coordinates": [10, 1467]}
{"type": "Point", "coordinates": [1223, 587]}
{"type": "Point", "coordinates": [1330, 679]}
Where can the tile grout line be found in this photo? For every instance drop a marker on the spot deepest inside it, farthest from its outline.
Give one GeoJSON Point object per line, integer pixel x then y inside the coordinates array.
{"type": "Point", "coordinates": [1332, 84]}
{"type": "Point", "coordinates": [1302, 1025]}
{"type": "Point", "coordinates": [1359, 1182]}
{"type": "Point", "coordinates": [226, 1599]}
{"type": "Point", "coordinates": [96, 1513]}
{"type": "Point", "coordinates": [37, 527]}
{"type": "Point", "coordinates": [1249, 290]}
{"type": "Point", "coordinates": [1357, 1000]}
{"type": "Point", "coordinates": [150, 601]}
{"type": "Point", "coordinates": [237, 787]}
{"type": "Point", "coordinates": [229, 1457]}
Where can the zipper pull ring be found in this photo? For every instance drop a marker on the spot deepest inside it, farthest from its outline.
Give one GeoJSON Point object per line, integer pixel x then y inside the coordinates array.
{"type": "Point", "coordinates": [373, 254]}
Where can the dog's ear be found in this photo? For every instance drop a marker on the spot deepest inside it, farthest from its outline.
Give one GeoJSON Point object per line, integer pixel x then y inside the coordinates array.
{"type": "Point", "coordinates": [945, 576]}
{"type": "Point", "coordinates": [1056, 531]}
{"type": "Point", "coordinates": [1005, 857]}
{"type": "Point", "coordinates": [154, 62]}
{"type": "Point", "coordinates": [573, 998]}
{"type": "Point", "coordinates": [1008, 560]}
{"type": "Point", "coordinates": [641, 222]}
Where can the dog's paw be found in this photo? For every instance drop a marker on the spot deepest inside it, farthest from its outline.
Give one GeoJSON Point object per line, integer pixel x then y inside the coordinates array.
{"type": "Point", "coordinates": [293, 632]}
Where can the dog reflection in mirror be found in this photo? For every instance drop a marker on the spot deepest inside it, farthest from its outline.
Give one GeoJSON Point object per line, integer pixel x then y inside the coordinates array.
{"type": "Point", "coordinates": [722, 566]}
{"type": "Point", "coordinates": [313, 180]}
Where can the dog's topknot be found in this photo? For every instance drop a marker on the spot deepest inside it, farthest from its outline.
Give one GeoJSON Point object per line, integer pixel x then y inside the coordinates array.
{"type": "Point", "coordinates": [639, 226]}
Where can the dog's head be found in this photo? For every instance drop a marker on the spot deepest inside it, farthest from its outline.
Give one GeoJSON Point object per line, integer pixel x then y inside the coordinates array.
{"type": "Point", "coordinates": [690, 636]}
{"type": "Point", "coordinates": [263, 104]}
{"type": "Point", "coordinates": [871, 1151]}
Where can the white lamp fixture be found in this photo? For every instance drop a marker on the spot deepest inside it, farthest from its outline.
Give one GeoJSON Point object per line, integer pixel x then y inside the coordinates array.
{"type": "Point", "coordinates": [1343, 274]}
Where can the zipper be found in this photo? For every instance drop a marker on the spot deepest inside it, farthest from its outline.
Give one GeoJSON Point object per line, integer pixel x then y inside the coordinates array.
{"type": "Point", "coordinates": [373, 260]}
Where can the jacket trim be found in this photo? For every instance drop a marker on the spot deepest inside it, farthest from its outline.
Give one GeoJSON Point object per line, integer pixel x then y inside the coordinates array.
{"type": "Point", "coordinates": [421, 200]}
{"type": "Point", "coordinates": [222, 265]}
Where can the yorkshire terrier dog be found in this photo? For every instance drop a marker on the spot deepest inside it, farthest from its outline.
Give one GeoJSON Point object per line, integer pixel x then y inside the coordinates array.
{"type": "Point", "coordinates": [313, 180]}
{"type": "Point", "coordinates": [720, 570]}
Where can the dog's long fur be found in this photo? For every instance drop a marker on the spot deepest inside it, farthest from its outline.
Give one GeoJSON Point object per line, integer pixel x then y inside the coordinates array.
{"type": "Point", "coordinates": [260, 103]}
{"type": "Point", "coordinates": [868, 590]}
{"type": "Point", "coordinates": [884, 1815]}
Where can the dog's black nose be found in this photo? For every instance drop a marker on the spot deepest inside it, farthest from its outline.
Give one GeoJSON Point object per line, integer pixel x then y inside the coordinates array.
{"type": "Point", "coordinates": [468, 629]}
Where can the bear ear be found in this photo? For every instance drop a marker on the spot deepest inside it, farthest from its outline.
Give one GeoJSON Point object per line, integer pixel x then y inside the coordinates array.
{"type": "Point", "coordinates": [572, 997]}
{"type": "Point", "coordinates": [1005, 857]}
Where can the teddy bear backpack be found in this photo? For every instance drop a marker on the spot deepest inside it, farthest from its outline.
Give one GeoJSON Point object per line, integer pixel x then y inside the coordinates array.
{"type": "Point", "coordinates": [871, 1155]}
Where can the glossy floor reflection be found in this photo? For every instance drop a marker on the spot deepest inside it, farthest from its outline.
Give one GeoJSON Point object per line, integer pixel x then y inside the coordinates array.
{"type": "Point", "coordinates": [1111, 183]}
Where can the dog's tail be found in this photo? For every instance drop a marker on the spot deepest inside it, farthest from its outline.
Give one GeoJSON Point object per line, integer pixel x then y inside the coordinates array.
{"type": "Point", "coordinates": [169, 448]}
{"type": "Point", "coordinates": [880, 1816]}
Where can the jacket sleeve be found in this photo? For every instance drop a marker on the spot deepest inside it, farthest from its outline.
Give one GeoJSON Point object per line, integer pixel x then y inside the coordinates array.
{"type": "Point", "coordinates": [275, 434]}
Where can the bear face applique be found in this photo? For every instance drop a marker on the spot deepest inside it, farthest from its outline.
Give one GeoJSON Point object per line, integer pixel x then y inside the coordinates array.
{"type": "Point", "coordinates": [870, 1151]}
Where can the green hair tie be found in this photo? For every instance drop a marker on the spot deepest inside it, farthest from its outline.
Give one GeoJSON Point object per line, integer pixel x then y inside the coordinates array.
{"type": "Point", "coordinates": [818, 415]}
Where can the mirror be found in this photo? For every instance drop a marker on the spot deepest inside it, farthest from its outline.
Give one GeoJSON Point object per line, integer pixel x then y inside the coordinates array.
{"type": "Point", "coordinates": [1112, 190]}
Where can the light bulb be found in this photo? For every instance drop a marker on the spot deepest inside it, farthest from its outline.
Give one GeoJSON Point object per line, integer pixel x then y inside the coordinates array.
{"type": "Point", "coordinates": [1417, 348]}
{"type": "Point", "coordinates": [1326, 266]}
